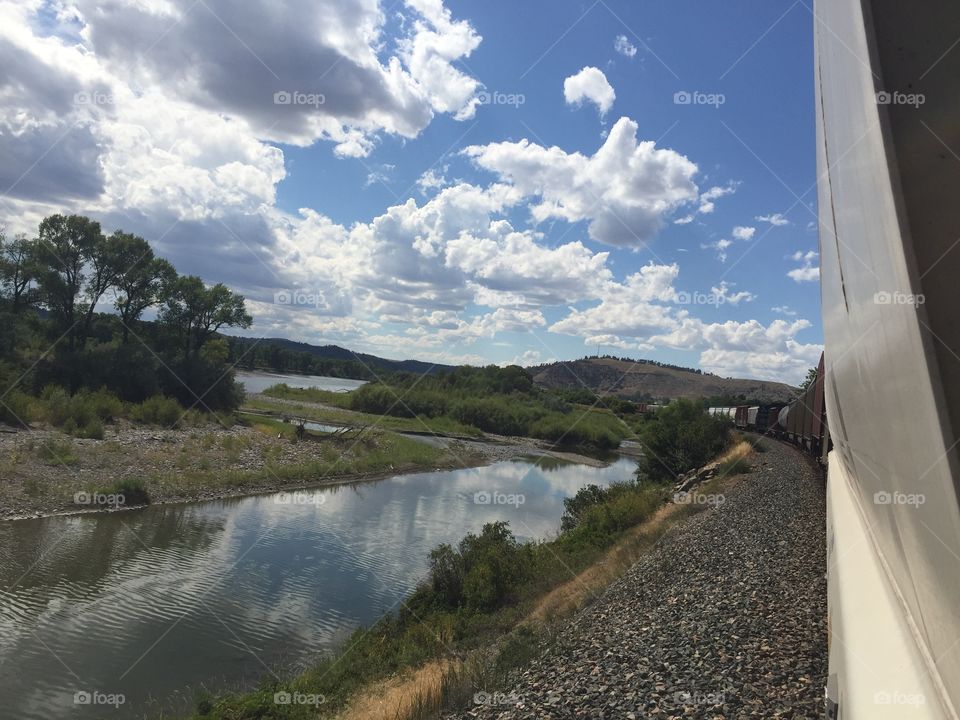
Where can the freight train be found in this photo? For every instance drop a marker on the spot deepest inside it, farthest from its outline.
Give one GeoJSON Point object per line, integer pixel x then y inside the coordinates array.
{"type": "Point", "coordinates": [802, 422]}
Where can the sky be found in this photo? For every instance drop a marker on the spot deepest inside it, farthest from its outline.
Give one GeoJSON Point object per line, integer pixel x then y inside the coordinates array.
{"type": "Point", "coordinates": [460, 181]}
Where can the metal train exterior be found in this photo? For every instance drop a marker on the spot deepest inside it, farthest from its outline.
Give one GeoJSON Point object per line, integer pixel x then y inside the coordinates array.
{"type": "Point", "coordinates": [888, 138]}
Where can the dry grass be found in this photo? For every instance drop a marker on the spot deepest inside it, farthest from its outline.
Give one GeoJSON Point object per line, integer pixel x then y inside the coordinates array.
{"type": "Point", "coordinates": [420, 693]}
{"type": "Point", "coordinates": [409, 695]}
{"type": "Point", "coordinates": [736, 460]}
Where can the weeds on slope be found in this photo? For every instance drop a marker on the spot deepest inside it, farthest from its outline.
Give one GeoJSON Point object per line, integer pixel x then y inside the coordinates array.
{"type": "Point", "coordinates": [482, 611]}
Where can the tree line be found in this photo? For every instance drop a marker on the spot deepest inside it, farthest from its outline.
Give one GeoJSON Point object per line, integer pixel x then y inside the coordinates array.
{"type": "Point", "coordinates": [250, 354]}
{"type": "Point", "coordinates": [52, 332]}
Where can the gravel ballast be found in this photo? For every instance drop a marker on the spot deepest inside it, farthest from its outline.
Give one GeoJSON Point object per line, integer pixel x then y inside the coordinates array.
{"type": "Point", "coordinates": [724, 618]}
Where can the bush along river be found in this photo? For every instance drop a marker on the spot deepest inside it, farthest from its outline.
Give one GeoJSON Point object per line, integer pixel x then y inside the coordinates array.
{"type": "Point", "coordinates": [131, 613]}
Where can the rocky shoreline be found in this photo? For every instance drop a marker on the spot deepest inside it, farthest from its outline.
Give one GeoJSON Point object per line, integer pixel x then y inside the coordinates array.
{"type": "Point", "coordinates": [724, 618]}
{"type": "Point", "coordinates": [44, 468]}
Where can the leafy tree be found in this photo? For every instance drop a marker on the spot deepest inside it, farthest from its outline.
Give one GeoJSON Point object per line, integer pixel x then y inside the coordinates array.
{"type": "Point", "coordinates": [105, 264]}
{"type": "Point", "coordinates": [197, 312]}
{"type": "Point", "coordinates": [680, 437]}
{"type": "Point", "coordinates": [809, 379]}
{"type": "Point", "coordinates": [18, 268]}
{"type": "Point", "coordinates": [65, 245]}
{"type": "Point", "coordinates": [144, 279]}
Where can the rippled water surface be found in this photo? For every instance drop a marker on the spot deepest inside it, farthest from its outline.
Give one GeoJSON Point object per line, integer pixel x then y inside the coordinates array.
{"type": "Point", "coordinates": [155, 603]}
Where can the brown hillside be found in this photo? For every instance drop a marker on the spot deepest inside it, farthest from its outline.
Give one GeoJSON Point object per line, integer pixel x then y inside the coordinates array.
{"type": "Point", "coordinates": [609, 376]}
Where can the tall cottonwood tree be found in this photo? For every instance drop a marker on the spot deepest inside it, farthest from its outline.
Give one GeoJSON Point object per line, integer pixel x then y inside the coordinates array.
{"type": "Point", "coordinates": [18, 269]}
{"type": "Point", "coordinates": [144, 279]}
{"type": "Point", "coordinates": [64, 247]}
{"type": "Point", "coordinates": [198, 312]}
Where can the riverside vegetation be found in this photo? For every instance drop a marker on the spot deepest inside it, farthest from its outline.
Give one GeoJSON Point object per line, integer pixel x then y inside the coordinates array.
{"type": "Point", "coordinates": [483, 400]}
{"type": "Point", "coordinates": [91, 379]}
{"type": "Point", "coordinates": [88, 386]}
{"type": "Point", "coordinates": [469, 621]}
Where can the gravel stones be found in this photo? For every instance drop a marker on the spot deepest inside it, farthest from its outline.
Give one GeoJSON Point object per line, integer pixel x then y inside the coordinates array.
{"type": "Point", "coordinates": [724, 618]}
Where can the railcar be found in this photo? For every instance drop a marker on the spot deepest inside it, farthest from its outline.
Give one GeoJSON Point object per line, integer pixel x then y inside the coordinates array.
{"type": "Point", "coordinates": [888, 138]}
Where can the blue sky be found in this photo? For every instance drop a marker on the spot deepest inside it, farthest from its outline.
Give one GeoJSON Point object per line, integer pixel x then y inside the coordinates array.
{"type": "Point", "coordinates": [445, 199]}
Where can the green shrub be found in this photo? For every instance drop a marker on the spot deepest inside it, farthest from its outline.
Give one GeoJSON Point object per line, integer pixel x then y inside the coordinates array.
{"type": "Point", "coordinates": [56, 451]}
{"type": "Point", "coordinates": [16, 408]}
{"type": "Point", "coordinates": [92, 430]}
{"type": "Point", "coordinates": [575, 507]}
{"type": "Point", "coordinates": [596, 514]}
{"type": "Point", "coordinates": [56, 404]}
{"type": "Point", "coordinates": [733, 466]}
{"type": "Point", "coordinates": [482, 574]}
{"type": "Point", "coordinates": [105, 405]}
{"type": "Point", "coordinates": [133, 490]}
{"type": "Point", "coordinates": [83, 412]}
{"type": "Point", "coordinates": [158, 410]}
{"type": "Point", "coordinates": [680, 437]}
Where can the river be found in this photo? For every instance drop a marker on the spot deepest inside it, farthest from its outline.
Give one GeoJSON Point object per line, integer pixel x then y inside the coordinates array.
{"type": "Point", "coordinates": [156, 603]}
{"type": "Point", "coordinates": [257, 382]}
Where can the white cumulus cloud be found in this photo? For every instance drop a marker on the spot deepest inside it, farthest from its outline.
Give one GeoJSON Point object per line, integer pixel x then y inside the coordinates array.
{"type": "Point", "coordinates": [625, 190]}
{"type": "Point", "coordinates": [589, 84]}
{"type": "Point", "coordinates": [807, 272]}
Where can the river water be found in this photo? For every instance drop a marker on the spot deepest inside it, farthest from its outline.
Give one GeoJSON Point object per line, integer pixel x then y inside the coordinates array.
{"type": "Point", "coordinates": [257, 382]}
{"type": "Point", "coordinates": [156, 603]}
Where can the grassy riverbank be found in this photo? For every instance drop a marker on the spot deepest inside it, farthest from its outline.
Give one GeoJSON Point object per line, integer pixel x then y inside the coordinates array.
{"type": "Point", "coordinates": [43, 470]}
{"type": "Point", "coordinates": [504, 401]}
{"type": "Point", "coordinates": [484, 609]}
{"type": "Point", "coordinates": [316, 406]}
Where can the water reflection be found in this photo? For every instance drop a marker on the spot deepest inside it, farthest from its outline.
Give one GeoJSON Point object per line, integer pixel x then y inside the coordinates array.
{"type": "Point", "coordinates": [148, 602]}
{"type": "Point", "coordinates": [257, 382]}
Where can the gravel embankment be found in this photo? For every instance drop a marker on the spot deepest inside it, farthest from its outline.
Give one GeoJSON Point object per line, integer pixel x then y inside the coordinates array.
{"type": "Point", "coordinates": [724, 618]}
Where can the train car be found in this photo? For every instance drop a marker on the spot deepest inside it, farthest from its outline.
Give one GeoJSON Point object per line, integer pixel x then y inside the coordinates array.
{"type": "Point", "coordinates": [804, 421]}
{"type": "Point", "coordinates": [782, 417]}
{"type": "Point", "coordinates": [888, 134]}
{"type": "Point", "coordinates": [767, 416]}
{"type": "Point", "coordinates": [752, 416]}
{"type": "Point", "coordinates": [741, 416]}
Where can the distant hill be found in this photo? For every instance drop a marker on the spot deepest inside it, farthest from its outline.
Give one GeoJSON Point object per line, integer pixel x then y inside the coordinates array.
{"type": "Point", "coordinates": [646, 381]}
{"type": "Point", "coordinates": [335, 352]}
